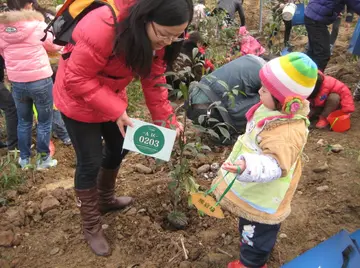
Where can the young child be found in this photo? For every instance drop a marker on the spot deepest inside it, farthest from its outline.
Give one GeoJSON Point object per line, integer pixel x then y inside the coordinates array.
{"type": "Point", "coordinates": [30, 73]}
{"type": "Point", "coordinates": [245, 44]}
{"type": "Point", "coordinates": [328, 96]}
{"type": "Point", "coordinates": [265, 163]}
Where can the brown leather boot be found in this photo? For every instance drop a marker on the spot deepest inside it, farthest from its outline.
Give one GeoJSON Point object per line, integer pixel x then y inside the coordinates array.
{"type": "Point", "coordinates": [91, 220]}
{"type": "Point", "coordinates": [106, 188]}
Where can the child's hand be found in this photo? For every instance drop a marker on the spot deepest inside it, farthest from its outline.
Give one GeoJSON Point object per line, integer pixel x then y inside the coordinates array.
{"type": "Point", "coordinates": [234, 168]}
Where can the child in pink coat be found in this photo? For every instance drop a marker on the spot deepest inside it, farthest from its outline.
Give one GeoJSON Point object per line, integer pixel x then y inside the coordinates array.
{"type": "Point", "coordinates": [29, 72]}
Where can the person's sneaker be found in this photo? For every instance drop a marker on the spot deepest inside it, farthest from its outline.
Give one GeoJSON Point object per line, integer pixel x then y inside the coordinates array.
{"type": "Point", "coordinates": [67, 142]}
{"type": "Point", "coordinates": [24, 163]}
{"type": "Point", "coordinates": [45, 163]}
{"type": "Point", "coordinates": [322, 122]}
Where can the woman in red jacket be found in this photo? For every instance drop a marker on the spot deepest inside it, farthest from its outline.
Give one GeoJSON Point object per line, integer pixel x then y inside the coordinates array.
{"type": "Point", "coordinates": [90, 93]}
{"type": "Point", "coordinates": [329, 95]}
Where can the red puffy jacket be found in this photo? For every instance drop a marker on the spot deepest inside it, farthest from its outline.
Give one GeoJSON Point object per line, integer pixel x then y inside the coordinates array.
{"type": "Point", "coordinates": [91, 84]}
{"type": "Point", "coordinates": [332, 85]}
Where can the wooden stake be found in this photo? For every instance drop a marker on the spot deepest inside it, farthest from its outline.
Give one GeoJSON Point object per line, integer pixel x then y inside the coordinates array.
{"type": "Point", "coordinates": [183, 247]}
{"type": "Point", "coordinates": [224, 252]}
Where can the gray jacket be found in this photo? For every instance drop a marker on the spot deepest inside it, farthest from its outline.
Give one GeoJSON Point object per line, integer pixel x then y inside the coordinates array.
{"type": "Point", "coordinates": [233, 6]}
{"type": "Point", "coordinates": [244, 72]}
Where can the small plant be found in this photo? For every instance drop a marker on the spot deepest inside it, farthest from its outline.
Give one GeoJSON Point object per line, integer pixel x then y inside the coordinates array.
{"type": "Point", "coordinates": [136, 98]}
{"type": "Point", "coordinates": [182, 180]}
{"type": "Point", "coordinates": [9, 172]}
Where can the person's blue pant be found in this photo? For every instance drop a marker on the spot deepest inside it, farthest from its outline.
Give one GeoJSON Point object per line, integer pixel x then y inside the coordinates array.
{"type": "Point", "coordinates": [58, 126]}
{"type": "Point", "coordinates": [257, 242]}
{"type": "Point", "coordinates": [26, 94]}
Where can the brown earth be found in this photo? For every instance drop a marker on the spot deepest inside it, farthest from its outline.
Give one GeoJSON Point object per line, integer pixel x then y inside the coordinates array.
{"type": "Point", "coordinates": [141, 237]}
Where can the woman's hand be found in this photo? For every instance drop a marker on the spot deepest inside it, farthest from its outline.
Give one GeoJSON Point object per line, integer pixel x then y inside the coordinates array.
{"type": "Point", "coordinates": [122, 121]}
{"type": "Point", "coordinates": [179, 130]}
{"type": "Point", "coordinates": [234, 167]}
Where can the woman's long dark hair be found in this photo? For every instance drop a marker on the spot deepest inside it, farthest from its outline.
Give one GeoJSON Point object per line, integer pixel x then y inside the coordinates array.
{"type": "Point", "coordinates": [132, 39]}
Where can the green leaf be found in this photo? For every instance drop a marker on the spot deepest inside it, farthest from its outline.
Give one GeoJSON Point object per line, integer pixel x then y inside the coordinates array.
{"type": "Point", "coordinates": [235, 92]}
{"type": "Point", "coordinates": [213, 120]}
{"type": "Point", "coordinates": [172, 185]}
{"type": "Point", "coordinates": [189, 200]}
{"type": "Point", "coordinates": [202, 86]}
{"type": "Point", "coordinates": [165, 86]}
{"type": "Point", "coordinates": [223, 84]}
{"type": "Point", "coordinates": [232, 100]}
{"type": "Point", "coordinates": [201, 119]}
{"type": "Point", "coordinates": [214, 104]}
{"type": "Point", "coordinates": [221, 108]}
{"type": "Point", "coordinates": [170, 73]}
{"type": "Point", "coordinates": [200, 128]}
{"type": "Point", "coordinates": [184, 90]}
{"type": "Point", "coordinates": [205, 147]}
{"type": "Point", "coordinates": [213, 133]}
{"type": "Point", "coordinates": [191, 148]}
{"type": "Point", "coordinates": [179, 95]}
{"type": "Point", "coordinates": [224, 132]}
{"type": "Point", "coordinates": [195, 52]}
{"type": "Point", "coordinates": [242, 92]}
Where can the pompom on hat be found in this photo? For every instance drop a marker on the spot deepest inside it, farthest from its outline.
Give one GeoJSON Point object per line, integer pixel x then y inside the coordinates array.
{"type": "Point", "coordinates": [290, 79]}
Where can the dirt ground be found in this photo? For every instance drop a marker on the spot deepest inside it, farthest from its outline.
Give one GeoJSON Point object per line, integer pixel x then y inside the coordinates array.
{"type": "Point", "coordinates": [140, 236]}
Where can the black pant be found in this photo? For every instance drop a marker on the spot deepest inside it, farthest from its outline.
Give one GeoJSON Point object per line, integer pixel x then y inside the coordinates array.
{"type": "Point", "coordinates": [2, 67]}
{"type": "Point", "coordinates": [7, 104]}
{"type": "Point", "coordinates": [319, 42]}
{"type": "Point", "coordinates": [288, 27]}
{"type": "Point", "coordinates": [257, 242]}
{"type": "Point", "coordinates": [90, 153]}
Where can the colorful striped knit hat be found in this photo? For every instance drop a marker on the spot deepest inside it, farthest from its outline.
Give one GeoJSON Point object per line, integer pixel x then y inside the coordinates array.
{"type": "Point", "coordinates": [288, 77]}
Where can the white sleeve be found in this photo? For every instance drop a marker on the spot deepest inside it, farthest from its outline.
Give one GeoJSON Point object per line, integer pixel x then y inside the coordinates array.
{"type": "Point", "coordinates": [259, 168]}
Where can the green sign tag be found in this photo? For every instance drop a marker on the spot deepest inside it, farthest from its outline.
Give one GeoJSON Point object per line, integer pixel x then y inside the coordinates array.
{"type": "Point", "coordinates": [149, 139]}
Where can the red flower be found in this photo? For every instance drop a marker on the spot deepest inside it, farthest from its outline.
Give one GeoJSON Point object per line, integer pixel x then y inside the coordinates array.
{"type": "Point", "coordinates": [209, 65]}
{"type": "Point", "coordinates": [202, 50]}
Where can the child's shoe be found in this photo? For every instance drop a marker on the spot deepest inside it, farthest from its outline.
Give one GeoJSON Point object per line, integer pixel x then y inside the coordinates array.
{"type": "Point", "coordinates": [238, 264]}
{"type": "Point", "coordinates": [322, 123]}
{"type": "Point", "coordinates": [45, 163]}
{"type": "Point", "coordinates": [67, 142]}
{"type": "Point", "coordinates": [24, 163]}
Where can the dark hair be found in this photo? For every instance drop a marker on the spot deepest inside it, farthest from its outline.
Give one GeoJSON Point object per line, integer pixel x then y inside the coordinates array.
{"type": "Point", "coordinates": [278, 105]}
{"type": "Point", "coordinates": [18, 4]}
{"type": "Point", "coordinates": [132, 40]}
{"type": "Point", "coordinates": [44, 11]}
{"type": "Point", "coordinates": [195, 37]}
{"type": "Point", "coordinates": [319, 81]}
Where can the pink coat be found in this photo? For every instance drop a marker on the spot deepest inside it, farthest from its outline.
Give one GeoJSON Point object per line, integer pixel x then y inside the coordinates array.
{"type": "Point", "coordinates": [249, 45]}
{"type": "Point", "coordinates": [25, 54]}
{"type": "Point", "coordinates": [91, 84]}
